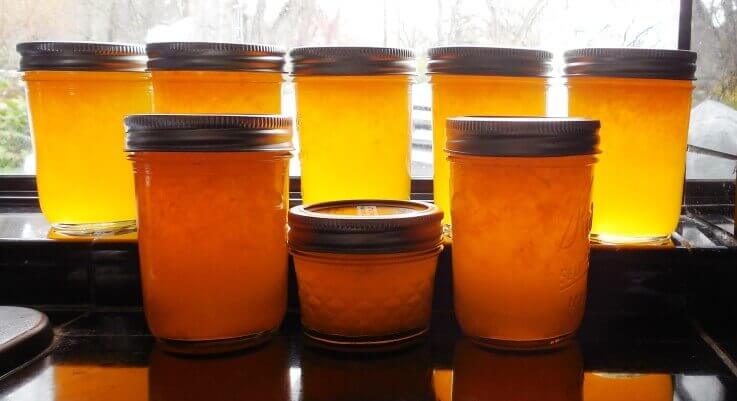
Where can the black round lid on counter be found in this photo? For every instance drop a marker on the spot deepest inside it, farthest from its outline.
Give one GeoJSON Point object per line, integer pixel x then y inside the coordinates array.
{"type": "Point", "coordinates": [497, 61]}
{"type": "Point", "coordinates": [215, 56]}
{"type": "Point", "coordinates": [81, 56]}
{"type": "Point", "coordinates": [352, 61]}
{"type": "Point", "coordinates": [522, 136]}
{"type": "Point", "coordinates": [207, 133]}
{"type": "Point", "coordinates": [631, 63]}
{"type": "Point", "coordinates": [365, 226]}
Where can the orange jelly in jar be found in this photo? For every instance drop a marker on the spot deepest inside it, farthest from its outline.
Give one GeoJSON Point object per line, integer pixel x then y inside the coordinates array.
{"type": "Point", "coordinates": [643, 99]}
{"type": "Point", "coordinates": [78, 94]}
{"type": "Point", "coordinates": [489, 81]}
{"type": "Point", "coordinates": [365, 270]}
{"type": "Point", "coordinates": [482, 374]}
{"type": "Point", "coordinates": [603, 386]}
{"type": "Point", "coordinates": [211, 196]}
{"type": "Point", "coordinates": [521, 205]}
{"type": "Point", "coordinates": [354, 124]}
{"type": "Point", "coordinates": [220, 78]}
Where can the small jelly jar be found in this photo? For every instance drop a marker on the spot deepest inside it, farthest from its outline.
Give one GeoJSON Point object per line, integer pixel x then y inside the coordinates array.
{"type": "Point", "coordinates": [478, 373]}
{"type": "Point", "coordinates": [353, 122]}
{"type": "Point", "coordinates": [365, 270]}
{"type": "Point", "coordinates": [521, 205]}
{"type": "Point", "coordinates": [489, 81]}
{"type": "Point", "coordinates": [212, 203]}
{"type": "Point", "coordinates": [220, 78]}
{"type": "Point", "coordinates": [608, 386]}
{"type": "Point", "coordinates": [643, 99]}
{"type": "Point", "coordinates": [78, 94]}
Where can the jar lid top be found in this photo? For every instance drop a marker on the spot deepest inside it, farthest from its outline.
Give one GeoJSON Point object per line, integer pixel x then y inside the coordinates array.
{"type": "Point", "coordinates": [207, 133]}
{"type": "Point", "coordinates": [365, 226]}
{"type": "Point", "coordinates": [81, 56]}
{"type": "Point", "coordinates": [215, 56]}
{"type": "Point", "coordinates": [522, 136]}
{"type": "Point", "coordinates": [482, 60]}
{"type": "Point", "coordinates": [352, 61]}
{"type": "Point", "coordinates": [631, 63]}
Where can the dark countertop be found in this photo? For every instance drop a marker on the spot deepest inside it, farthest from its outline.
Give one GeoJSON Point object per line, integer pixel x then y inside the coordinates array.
{"type": "Point", "coordinates": [111, 356]}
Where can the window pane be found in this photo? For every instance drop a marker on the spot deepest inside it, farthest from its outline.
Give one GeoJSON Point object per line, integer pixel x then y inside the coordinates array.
{"type": "Point", "coordinates": [713, 131]}
{"type": "Point", "coordinates": [416, 24]}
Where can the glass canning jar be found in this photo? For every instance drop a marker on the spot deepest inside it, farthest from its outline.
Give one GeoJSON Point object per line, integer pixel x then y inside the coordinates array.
{"type": "Point", "coordinates": [489, 81]}
{"type": "Point", "coordinates": [220, 78]}
{"type": "Point", "coordinates": [643, 99]}
{"type": "Point", "coordinates": [78, 94]}
{"type": "Point", "coordinates": [521, 205]}
{"type": "Point", "coordinates": [353, 122]}
{"type": "Point", "coordinates": [365, 270]}
{"type": "Point", "coordinates": [212, 205]}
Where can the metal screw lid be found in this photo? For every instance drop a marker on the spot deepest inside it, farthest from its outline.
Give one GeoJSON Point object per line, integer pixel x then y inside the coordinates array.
{"type": "Point", "coordinates": [496, 61]}
{"type": "Point", "coordinates": [208, 133]}
{"type": "Point", "coordinates": [631, 63]}
{"type": "Point", "coordinates": [81, 56]}
{"type": "Point", "coordinates": [215, 56]}
{"type": "Point", "coordinates": [522, 136]}
{"type": "Point", "coordinates": [365, 226]}
{"type": "Point", "coordinates": [352, 61]}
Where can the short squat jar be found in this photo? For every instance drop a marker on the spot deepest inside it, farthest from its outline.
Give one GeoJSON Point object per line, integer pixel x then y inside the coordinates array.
{"type": "Point", "coordinates": [222, 78]}
{"type": "Point", "coordinates": [212, 201]}
{"type": "Point", "coordinates": [354, 126]}
{"type": "Point", "coordinates": [78, 94]}
{"type": "Point", "coordinates": [488, 81]}
{"type": "Point", "coordinates": [521, 204]}
{"type": "Point", "coordinates": [643, 99]}
{"type": "Point", "coordinates": [365, 270]}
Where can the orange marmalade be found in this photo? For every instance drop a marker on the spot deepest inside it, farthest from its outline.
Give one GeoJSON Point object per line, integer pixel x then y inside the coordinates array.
{"type": "Point", "coordinates": [365, 270]}
{"type": "Point", "coordinates": [212, 226]}
{"type": "Point", "coordinates": [521, 205]}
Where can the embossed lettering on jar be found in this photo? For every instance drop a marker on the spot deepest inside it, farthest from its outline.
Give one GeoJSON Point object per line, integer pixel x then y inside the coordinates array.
{"type": "Point", "coordinates": [225, 78]}
{"type": "Point", "coordinates": [643, 99]}
{"type": "Point", "coordinates": [78, 94]}
{"type": "Point", "coordinates": [212, 204]}
{"type": "Point", "coordinates": [521, 205]}
{"type": "Point", "coordinates": [365, 270]}
{"type": "Point", "coordinates": [490, 81]}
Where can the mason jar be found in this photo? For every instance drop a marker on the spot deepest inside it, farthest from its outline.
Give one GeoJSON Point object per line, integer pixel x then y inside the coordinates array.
{"type": "Point", "coordinates": [365, 270]}
{"type": "Point", "coordinates": [488, 81]}
{"type": "Point", "coordinates": [220, 78]}
{"type": "Point", "coordinates": [212, 201]}
{"type": "Point", "coordinates": [521, 204]}
{"type": "Point", "coordinates": [353, 122]}
{"type": "Point", "coordinates": [643, 99]}
{"type": "Point", "coordinates": [78, 94]}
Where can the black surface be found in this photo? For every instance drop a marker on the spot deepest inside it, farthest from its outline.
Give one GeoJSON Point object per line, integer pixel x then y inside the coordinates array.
{"type": "Point", "coordinates": [24, 334]}
{"type": "Point", "coordinates": [109, 355]}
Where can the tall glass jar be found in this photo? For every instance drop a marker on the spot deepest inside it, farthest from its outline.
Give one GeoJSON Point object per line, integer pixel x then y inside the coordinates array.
{"type": "Point", "coordinates": [225, 78]}
{"type": "Point", "coordinates": [365, 270]}
{"type": "Point", "coordinates": [489, 81]}
{"type": "Point", "coordinates": [521, 204]}
{"type": "Point", "coordinates": [353, 119]}
{"type": "Point", "coordinates": [212, 226]}
{"type": "Point", "coordinates": [643, 99]}
{"type": "Point", "coordinates": [78, 94]}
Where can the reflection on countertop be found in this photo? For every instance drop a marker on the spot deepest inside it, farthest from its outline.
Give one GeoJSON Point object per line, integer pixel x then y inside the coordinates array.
{"type": "Point", "coordinates": [111, 356]}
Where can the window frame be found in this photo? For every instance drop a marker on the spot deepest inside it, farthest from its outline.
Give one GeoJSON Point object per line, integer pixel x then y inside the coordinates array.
{"type": "Point", "coordinates": [18, 190]}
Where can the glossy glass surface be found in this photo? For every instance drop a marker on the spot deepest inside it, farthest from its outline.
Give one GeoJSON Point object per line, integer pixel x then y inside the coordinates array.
{"type": "Point", "coordinates": [111, 355]}
{"type": "Point", "coordinates": [520, 246]}
{"type": "Point", "coordinates": [76, 118]}
{"type": "Point", "coordinates": [461, 95]}
{"type": "Point", "coordinates": [224, 92]}
{"type": "Point", "coordinates": [212, 242]}
{"type": "Point", "coordinates": [354, 135]}
{"type": "Point", "coordinates": [638, 182]}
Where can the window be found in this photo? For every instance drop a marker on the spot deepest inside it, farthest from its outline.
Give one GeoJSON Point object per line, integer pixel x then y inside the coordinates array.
{"type": "Point", "coordinates": [416, 24]}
